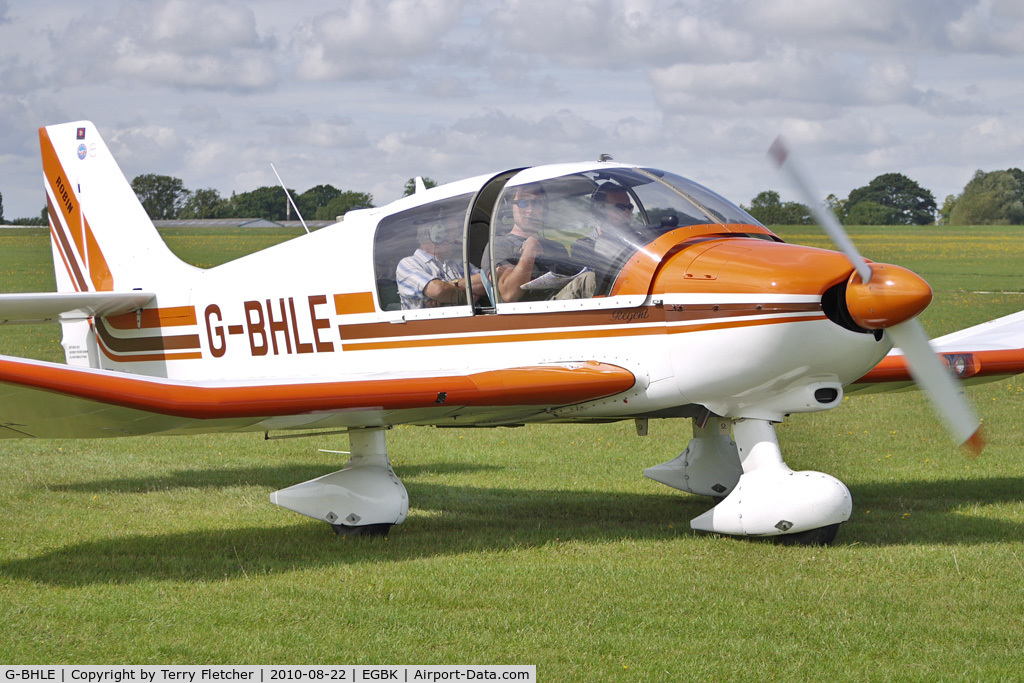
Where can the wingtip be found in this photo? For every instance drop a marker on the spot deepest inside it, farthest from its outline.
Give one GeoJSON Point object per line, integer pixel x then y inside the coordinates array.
{"type": "Point", "coordinates": [975, 444]}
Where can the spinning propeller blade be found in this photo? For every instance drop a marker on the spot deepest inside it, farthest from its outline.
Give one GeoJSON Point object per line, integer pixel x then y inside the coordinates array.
{"type": "Point", "coordinates": [926, 368]}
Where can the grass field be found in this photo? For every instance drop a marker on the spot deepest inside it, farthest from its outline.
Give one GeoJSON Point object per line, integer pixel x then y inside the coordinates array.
{"type": "Point", "coordinates": [539, 545]}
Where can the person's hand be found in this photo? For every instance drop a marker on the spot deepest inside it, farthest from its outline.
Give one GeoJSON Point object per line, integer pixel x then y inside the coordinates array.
{"type": "Point", "coordinates": [532, 248]}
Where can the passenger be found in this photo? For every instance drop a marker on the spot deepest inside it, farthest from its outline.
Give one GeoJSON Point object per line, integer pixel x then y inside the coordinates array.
{"type": "Point", "coordinates": [433, 276]}
{"type": "Point", "coordinates": [613, 212]}
{"type": "Point", "coordinates": [522, 256]}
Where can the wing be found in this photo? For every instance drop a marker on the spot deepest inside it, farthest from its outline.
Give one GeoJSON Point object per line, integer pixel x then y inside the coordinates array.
{"type": "Point", "coordinates": [39, 399]}
{"type": "Point", "coordinates": [984, 353]}
{"type": "Point", "coordinates": [67, 307]}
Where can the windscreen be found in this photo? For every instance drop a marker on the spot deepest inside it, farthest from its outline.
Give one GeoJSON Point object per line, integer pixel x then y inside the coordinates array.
{"type": "Point", "coordinates": [568, 237]}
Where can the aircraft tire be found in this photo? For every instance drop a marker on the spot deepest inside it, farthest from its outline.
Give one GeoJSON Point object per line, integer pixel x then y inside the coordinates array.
{"type": "Point", "coordinates": [370, 530]}
{"type": "Point", "coordinates": [825, 535]}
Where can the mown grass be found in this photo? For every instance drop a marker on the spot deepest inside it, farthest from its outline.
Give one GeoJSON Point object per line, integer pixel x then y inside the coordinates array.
{"type": "Point", "coordinates": [542, 544]}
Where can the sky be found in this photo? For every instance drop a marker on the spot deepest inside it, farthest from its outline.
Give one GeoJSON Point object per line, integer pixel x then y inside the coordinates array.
{"type": "Point", "coordinates": [365, 94]}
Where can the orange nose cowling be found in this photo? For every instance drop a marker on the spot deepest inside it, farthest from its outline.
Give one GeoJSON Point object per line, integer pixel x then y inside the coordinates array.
{"type": "Point", "coordinates": [892, 296]}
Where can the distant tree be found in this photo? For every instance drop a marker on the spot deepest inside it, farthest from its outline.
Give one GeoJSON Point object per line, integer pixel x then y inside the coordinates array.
{"type": "Point", "coordinates": [866, 212]}
{"type": "Point", "coordinates": [410, 185]}
{"type": "Point", "coordinates": [910, 204]}
{"type": "Point", "coordinates": [41, 221]}
{"type": "Point", "coordinates": [769, 208]}
{"type": "Point", "coordinates": [343, 203]}
{"type": "Point", "coordinates": [1, 207]}
{"type": "Point", "coordinates": [314, 198]}
{"type": "Point", "coordinates": [995, 198]}
{"type": "Point", "coordinates": [836, 206]}
{"type": "Point", "coordinates": [162, 196]}
{"type": "Point", "coordinates": [946, 212]}
{"type": "Point", "coordinates": [204, 204]}
{"type": "Point", "coordinates": [267, 202]}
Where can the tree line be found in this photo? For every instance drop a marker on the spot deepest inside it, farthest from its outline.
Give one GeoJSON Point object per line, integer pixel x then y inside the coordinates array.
{"type": "Point", "coordinates": [990, 198]}
{"type": "Point", "coordinates": [167, 198]}
{"type": "Point", "coordinates": [993, 198]}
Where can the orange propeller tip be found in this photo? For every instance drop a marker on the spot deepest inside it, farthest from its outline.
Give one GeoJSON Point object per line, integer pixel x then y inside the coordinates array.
{"type": "Point", "coordinates": [975, 445]}
{"type": "Point", "coordinates": [778, 152]}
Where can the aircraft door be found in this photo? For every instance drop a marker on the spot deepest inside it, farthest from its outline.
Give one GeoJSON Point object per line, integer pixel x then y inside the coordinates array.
{"type": "Point", "coordinates": [479, 218]}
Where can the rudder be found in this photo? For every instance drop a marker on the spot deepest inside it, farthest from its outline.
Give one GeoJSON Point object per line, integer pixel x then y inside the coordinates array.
{"type": "Point", "coordinates": [102, 238]}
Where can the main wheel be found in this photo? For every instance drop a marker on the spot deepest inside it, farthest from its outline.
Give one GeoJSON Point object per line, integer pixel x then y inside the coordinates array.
{"type": "Point", "coordinates": [375, 530]}
{"type": "Point", "coordinates": [825, 535]}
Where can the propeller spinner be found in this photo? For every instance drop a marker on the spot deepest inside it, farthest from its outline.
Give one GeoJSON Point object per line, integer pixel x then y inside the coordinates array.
{"type": "Point", "coordinates": [889, 298]}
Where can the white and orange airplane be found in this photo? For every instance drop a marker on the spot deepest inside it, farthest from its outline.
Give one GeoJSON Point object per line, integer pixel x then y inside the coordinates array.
{"type": "Point", "coordinates": [595, 292]}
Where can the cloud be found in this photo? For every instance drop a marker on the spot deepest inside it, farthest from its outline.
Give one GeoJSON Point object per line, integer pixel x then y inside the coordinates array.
{"type": "Point", "coordinates": [989, 27]}
{"type": "Point", "coordinates": [366, 39]}
{"type": "Point", "coordinates": [611, 34]}
{"type": "Point", "coordinates": [297, 129]}
{"type": "Point", "coordinates": [805, 83]}
{"type": "Point", "coordinates": [366, 93]}
{"type": "Point", "coordinates": [178, 43]}
{"type": "Point", "coordinates": [142, 146]}
{"type": "Point", "coordinates": [880, 26]}
{"type": "Point", "coordinates": [791, 80]}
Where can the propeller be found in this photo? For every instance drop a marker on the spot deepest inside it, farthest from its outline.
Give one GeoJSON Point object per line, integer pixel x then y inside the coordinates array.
{"type": "Point", "coordinates": [888, 298]}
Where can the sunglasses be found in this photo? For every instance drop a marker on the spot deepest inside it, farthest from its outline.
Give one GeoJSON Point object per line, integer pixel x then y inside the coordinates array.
{"type": "Point", "coordinates": [525, 203]}
{"type": "Point", "coordinates": [628, 208]}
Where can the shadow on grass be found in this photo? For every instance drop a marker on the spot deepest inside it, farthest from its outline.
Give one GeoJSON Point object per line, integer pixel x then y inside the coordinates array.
{"type": "Point", "coordinates": [944, 511]}
{"type": "Point", "coordinates": [274, 477]}
{"type": "Point", "coordinates": [449, 519]}
{"type": "Point", "coordinates": [457, 520]}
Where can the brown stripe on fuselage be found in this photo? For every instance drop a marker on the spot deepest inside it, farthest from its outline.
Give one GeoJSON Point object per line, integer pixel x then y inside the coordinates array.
{"type": "Point", "coordinates": [552, 327]}
{"type": "Point", "coordinates": [172, 316]}
{"type": "Point", "coordinates": [151, 343]}
{"type": "Point", "coordinates": [525, 322]}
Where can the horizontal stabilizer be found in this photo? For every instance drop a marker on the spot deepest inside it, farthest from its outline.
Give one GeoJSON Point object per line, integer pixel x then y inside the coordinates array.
{"type": "Point", "coordinates": [41, 307]}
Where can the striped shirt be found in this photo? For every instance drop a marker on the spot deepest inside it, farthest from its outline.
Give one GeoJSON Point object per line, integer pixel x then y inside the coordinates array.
{"type": "Point", "coordinates": [415, 272]}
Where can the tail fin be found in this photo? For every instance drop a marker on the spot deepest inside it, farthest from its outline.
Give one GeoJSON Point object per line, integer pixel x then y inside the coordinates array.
{"type": "Point", "coordinates": [102, 238]}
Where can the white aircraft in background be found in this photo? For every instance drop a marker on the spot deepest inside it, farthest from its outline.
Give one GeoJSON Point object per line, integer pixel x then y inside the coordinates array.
{"type": "Point", "coordinates": [583, 293]}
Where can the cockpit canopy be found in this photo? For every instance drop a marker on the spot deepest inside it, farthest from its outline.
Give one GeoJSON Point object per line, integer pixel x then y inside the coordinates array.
{"type": "Point", "coordinates": [584, 224]}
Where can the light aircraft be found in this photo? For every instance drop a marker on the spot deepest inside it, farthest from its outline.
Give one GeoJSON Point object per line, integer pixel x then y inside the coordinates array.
{"type": "Point", "coordinates": [649, 297]}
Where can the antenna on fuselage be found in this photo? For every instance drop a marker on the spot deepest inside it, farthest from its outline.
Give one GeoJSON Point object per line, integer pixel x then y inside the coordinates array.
{"type": "Point", "coordinates": [290, 200]}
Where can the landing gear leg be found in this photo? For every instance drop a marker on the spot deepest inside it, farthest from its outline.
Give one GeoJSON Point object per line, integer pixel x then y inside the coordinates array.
{"type": "Point", "coordinates": [772, 500]}
{"type": "Point", "coordinates": [363, 499]}
{"type": "Point", "coordinates": [710, 465]}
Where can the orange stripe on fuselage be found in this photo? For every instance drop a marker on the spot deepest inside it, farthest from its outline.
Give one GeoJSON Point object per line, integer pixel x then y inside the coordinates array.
{"type": "Point", "coordinates": [356, 302]}
{"type": "Point", "coordinates": [147, 357]}
{"type": "Point", "coordinates": [70, 211]}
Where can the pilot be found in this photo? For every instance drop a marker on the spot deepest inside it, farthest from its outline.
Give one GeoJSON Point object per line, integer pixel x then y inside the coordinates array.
{"type": "Point", "coordinates": [522, 255]}
{"type": "Point", "coordinates": [433, 276]}
{"type": "Point", "coordinates": [613, 212]}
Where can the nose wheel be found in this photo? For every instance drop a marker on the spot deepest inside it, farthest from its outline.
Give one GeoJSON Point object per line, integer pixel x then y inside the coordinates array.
{"type": "Point", "coordinates": [825, 535]}
{"type": "Point", "coordinates": [367, 530]}
{"type": "Point", "coordinates": [755, 492]}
